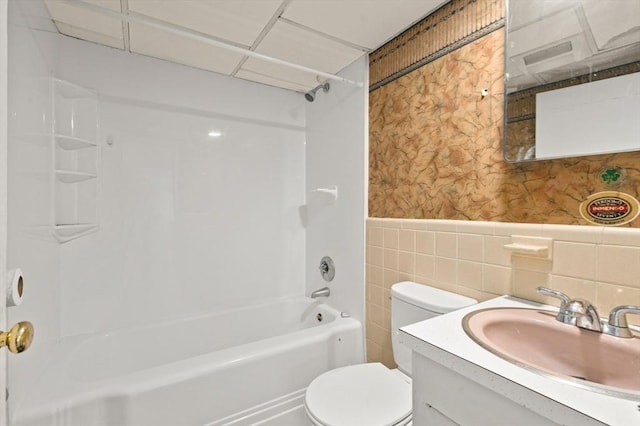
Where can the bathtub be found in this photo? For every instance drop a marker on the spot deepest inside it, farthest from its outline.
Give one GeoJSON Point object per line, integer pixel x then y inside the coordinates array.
{"type": "Point", "coordinates": [245, 365]}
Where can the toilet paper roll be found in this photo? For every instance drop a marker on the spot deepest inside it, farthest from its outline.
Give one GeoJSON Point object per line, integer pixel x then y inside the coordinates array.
{"type": "Point", "coordinates": [15, 285]}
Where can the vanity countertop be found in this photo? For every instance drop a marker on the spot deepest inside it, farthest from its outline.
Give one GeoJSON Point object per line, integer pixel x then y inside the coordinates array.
{"type": "Point", "coordinates": [443, 337]}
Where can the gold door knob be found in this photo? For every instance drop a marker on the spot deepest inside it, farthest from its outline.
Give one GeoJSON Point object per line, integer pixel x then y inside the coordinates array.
{"type": "Point", "coordinates": [19, 338]}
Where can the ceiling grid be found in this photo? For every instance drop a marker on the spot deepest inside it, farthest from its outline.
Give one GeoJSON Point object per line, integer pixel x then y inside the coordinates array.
{"type": "Point", "coordinates": [293, 44]}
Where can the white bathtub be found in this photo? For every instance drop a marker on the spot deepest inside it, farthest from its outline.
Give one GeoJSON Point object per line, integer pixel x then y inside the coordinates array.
{"type": "Point", "coordinates": [242, 366]}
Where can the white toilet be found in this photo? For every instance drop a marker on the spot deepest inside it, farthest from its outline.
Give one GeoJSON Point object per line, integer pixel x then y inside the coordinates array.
{"type": "Point", "coordinates": [371, 394]}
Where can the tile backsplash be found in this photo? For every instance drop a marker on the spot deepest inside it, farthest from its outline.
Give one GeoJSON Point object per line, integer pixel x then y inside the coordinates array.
{"type": "Point", "coordinates": [600, 264]}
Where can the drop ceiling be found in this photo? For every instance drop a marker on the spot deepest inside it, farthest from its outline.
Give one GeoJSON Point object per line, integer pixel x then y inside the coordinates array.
{"type": "Point", "coordinates": [324, 35]}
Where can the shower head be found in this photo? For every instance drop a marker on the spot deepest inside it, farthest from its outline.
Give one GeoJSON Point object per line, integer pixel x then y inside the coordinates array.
{"type": "Point", "coordinates": [311, 94]}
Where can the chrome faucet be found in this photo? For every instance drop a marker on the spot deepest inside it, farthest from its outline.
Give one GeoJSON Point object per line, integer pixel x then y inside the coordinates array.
{"type": "Point", "coordinates": [323, 292]}
{"type": "Point", "coordinates": [583, 314]}
{"type": "Point", "coordinates": [578, 312]}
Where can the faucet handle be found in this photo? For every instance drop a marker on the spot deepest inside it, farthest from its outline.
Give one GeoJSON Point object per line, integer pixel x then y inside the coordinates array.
{"type": "Point", "coordinates": [578, 312]}
{"type": "Point", "coordinates": [618, 325]}
{"type": "Point", "coordinates": [564, 299]}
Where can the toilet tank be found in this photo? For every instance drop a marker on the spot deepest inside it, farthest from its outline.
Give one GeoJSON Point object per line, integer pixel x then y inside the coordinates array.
{"type": "Point", "coordinates": [412, 302]}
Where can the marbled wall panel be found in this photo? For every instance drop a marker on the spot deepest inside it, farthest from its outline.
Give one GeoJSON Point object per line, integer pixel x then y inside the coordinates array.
{"type": "Point", "coordinates": [436, 150]}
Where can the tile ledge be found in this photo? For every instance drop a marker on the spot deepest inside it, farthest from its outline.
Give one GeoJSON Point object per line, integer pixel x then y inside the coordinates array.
{"type": "Point", "coordinates": [577, 233]}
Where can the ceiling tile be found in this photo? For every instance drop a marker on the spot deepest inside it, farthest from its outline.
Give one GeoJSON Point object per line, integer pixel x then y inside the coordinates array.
{"type": "Point", "coordinates": [165, 45]}
{"type": "Point", "coordinates": [90, 35]}
{"type": "Point", "coordinates": [239, 21]}
{"type": "Point", "coordinates": [367, 23]}
{"type": "Point", "coordinates": [81, 18]}
{"type": "Point", "coordinates": [326, 35]}
{"type": "Point", "coordinates": [307, 48]}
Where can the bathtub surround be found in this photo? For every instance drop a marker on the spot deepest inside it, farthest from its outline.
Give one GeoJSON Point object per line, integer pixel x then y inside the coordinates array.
{"type": "Point", "coordinates": [179, 208]}
{"type": "Point", "coordinates": [336, 156]}
{"type": "Point", "coordinates": [600, 264]}
{"type": "Point", "coordinates": [191, 223]}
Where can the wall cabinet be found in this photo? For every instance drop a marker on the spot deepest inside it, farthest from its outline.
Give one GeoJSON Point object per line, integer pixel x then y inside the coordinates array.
{"type": "Point", "coordinates": [75, 160]}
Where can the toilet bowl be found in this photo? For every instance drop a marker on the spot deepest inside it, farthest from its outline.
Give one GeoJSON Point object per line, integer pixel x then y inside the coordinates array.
{"type": "Point", "coordinates": [363, 394]}
{"type": "Point", "coordinates": [372, 394]}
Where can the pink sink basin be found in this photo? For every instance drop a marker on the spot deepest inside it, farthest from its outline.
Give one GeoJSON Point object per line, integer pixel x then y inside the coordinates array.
{"type": "Point", "coordinates": [535, 339]}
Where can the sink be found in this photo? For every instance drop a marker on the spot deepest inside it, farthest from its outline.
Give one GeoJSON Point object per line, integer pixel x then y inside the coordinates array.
{"type": "Point", "coordinates": [535, 340]}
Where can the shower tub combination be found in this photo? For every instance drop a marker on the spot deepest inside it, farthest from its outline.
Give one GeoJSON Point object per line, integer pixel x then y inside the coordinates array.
{"type": "Point", "coordinates": [242, 366]}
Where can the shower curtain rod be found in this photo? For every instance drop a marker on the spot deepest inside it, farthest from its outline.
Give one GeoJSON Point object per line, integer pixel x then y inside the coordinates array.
{"type": "Point", "coordinates": [207, 39]}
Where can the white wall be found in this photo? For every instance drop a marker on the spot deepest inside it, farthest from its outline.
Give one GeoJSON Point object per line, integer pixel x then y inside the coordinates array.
{"type": "Point", "coordinates": [337, 134]}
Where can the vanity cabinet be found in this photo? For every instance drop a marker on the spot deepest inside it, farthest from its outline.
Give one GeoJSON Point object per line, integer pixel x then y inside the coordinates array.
{"type": "Point", "coordinates": [75, 161]}
{"type": "Point", "coordinates": [458, 382]}
{"type": "Point", "coordinates": [444, 396]}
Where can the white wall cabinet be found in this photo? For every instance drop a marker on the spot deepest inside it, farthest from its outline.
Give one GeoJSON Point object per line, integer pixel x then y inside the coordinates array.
{"type": "Point", "coordinates": [75, 161]}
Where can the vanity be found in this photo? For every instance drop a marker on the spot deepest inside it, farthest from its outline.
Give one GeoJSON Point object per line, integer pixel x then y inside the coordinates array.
{"type": "Point", "coordinates": [571, 66]}
{"type": "Point", "coordinates": [456, 381]}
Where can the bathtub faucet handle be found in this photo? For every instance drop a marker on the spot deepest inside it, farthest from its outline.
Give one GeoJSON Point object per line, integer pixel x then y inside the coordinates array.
{"type": "Point", "coordinates": [327, 268]}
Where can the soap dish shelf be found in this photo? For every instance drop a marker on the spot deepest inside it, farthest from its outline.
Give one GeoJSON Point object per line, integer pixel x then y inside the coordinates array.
{"type": "Point", "coordinates": [75, 174]}
{"type": "Point", "coordinates": [539, 247]}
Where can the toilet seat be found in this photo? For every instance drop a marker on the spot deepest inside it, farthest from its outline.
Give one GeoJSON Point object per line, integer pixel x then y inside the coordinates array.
{"type": "Point", "coordinates": [363, 394]}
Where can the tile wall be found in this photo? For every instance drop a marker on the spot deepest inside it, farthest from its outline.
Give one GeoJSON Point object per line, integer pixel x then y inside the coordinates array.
{"type": "Point", "coordinates": [600, 264]}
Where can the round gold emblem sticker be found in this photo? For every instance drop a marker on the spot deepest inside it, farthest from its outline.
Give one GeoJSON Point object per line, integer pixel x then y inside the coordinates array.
{"type": "Point", "coordinates": [610, 208]}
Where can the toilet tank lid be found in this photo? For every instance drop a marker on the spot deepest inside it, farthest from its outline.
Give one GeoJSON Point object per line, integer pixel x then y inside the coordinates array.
{"type": "Point", "coordinates": [430, 298]}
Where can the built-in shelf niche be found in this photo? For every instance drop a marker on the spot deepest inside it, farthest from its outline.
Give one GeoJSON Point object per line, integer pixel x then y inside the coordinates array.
{"type": "Point", "coordinates": [75, 160]}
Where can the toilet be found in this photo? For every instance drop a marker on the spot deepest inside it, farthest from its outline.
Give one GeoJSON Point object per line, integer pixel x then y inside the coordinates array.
{"type": "Point", "coordinates": [372, 394]}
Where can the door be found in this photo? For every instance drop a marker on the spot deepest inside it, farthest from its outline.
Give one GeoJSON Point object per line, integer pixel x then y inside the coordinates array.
{"type": "Point", "coordinates": [3, 203]}
{"type": "Point", "coordinates": [13, 337]}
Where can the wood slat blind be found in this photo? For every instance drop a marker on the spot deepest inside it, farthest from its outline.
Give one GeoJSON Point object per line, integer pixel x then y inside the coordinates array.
{"type": "Point", "coordinates": [453, 25]}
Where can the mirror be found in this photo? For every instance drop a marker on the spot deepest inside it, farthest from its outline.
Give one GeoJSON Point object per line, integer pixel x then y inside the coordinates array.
{"type": "Point", "coordinates": [572, 78]}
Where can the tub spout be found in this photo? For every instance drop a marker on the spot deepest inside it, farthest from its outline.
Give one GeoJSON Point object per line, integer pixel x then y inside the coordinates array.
{"type": "Point", "coordinates": [323, 292]}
